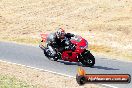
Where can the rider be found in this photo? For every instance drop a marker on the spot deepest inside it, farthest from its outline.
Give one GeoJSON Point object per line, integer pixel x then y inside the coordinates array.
{"type": "Point", "coordinates": [59, 41]}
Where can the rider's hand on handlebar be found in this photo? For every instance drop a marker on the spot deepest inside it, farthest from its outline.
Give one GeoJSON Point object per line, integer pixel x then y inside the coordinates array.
{"type": "Point", "coordinates": [70, 47]}
{"type": "Point", "coordinates": [73, 47]}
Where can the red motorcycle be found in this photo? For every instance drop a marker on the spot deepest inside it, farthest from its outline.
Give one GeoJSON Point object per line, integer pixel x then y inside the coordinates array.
{"type": "Point", "coordinates": [80, 54]}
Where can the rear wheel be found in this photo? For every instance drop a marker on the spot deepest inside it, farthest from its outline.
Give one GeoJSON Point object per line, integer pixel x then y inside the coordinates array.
{"type": "Point", "coordinates": [88, 59]}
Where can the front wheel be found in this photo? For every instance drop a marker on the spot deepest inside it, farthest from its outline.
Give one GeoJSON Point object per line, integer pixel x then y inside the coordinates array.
{"type": "Point", "coordinates": [88, 59]}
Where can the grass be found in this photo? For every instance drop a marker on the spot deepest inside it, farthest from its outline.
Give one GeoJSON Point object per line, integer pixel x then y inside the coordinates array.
{"type": "Point", "coordinates": [12, 82]}
{"type": "Point", "coordinates": [104, 21]}
{"type": "Point", "coordinates": [25, 40]}
{"type": "Point", "coordinates": [112, 52]}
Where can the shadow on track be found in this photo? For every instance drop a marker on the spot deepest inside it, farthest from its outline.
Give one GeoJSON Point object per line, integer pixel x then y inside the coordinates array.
{"type": "Point", "coordinates": [105, 68]}
{"type": "Point", "coordinates": [78, 64]}
{"type": "Point", "coordinates": [69, 63]}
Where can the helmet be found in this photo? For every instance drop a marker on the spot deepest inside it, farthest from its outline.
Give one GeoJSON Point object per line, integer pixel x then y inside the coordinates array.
{"type": "Point", "coordinates": [60, 33]}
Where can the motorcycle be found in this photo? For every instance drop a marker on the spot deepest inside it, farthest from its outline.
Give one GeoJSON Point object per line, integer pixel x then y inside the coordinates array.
{"type": "Point", "coordinates": [80, 53]}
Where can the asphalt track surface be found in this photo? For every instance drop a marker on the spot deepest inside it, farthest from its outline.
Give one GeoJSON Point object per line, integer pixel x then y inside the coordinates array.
{"type": "Point", "coordinates": [34, 57]}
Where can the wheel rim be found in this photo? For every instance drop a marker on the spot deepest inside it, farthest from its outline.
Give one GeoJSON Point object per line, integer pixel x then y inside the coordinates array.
{"type": "Point", "coordinates": [89, 61]}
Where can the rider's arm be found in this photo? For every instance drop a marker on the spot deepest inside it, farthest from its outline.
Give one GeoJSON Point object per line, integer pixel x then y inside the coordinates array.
{"type": "Point", "coordinates": [69, 45]}
{"type": "Point", "coordinates": [69, 35]}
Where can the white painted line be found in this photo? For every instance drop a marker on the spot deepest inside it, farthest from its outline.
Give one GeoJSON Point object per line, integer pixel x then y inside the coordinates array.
{"type": "Point", "coordinates": [38, 69]}
{"type": "Point", "coordinates": [109, 86]}
{"type": "Point", "coordinates": [106, 85]}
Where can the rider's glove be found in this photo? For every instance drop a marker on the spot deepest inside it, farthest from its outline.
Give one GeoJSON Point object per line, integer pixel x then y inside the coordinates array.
{"type": "Point", "coordinates": [70, 47]}
{"type": "Point", "coordinates": [73, 47]}
{"type": "Point", "coordinates": [67, 48]}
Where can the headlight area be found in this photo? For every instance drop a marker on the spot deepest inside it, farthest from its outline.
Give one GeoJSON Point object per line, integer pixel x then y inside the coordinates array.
{"type": "Point", "coordinates": [86, 46]}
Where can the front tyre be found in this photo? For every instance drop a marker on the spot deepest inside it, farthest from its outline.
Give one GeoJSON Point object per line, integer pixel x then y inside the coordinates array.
{"type": "Point", "coordinates": [88, 59]}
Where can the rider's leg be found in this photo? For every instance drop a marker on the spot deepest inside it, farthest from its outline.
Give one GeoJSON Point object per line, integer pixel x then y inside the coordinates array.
{"type": "Point", "coordinates": [52, 50]}
{"type": "Point", "coordinates": [61, 49]}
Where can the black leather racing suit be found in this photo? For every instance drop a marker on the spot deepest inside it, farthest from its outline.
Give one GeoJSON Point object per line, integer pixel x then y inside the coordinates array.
{"type": "Point", "coordinates": [57, 45]}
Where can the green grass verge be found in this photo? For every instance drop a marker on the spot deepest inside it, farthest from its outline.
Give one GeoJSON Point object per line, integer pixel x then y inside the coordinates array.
{"type": "Point", "coordinates": [12, 82]}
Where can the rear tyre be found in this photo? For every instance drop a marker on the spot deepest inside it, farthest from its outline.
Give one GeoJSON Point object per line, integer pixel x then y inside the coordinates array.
{"type": "Point", "coordinates": [88, 59]}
